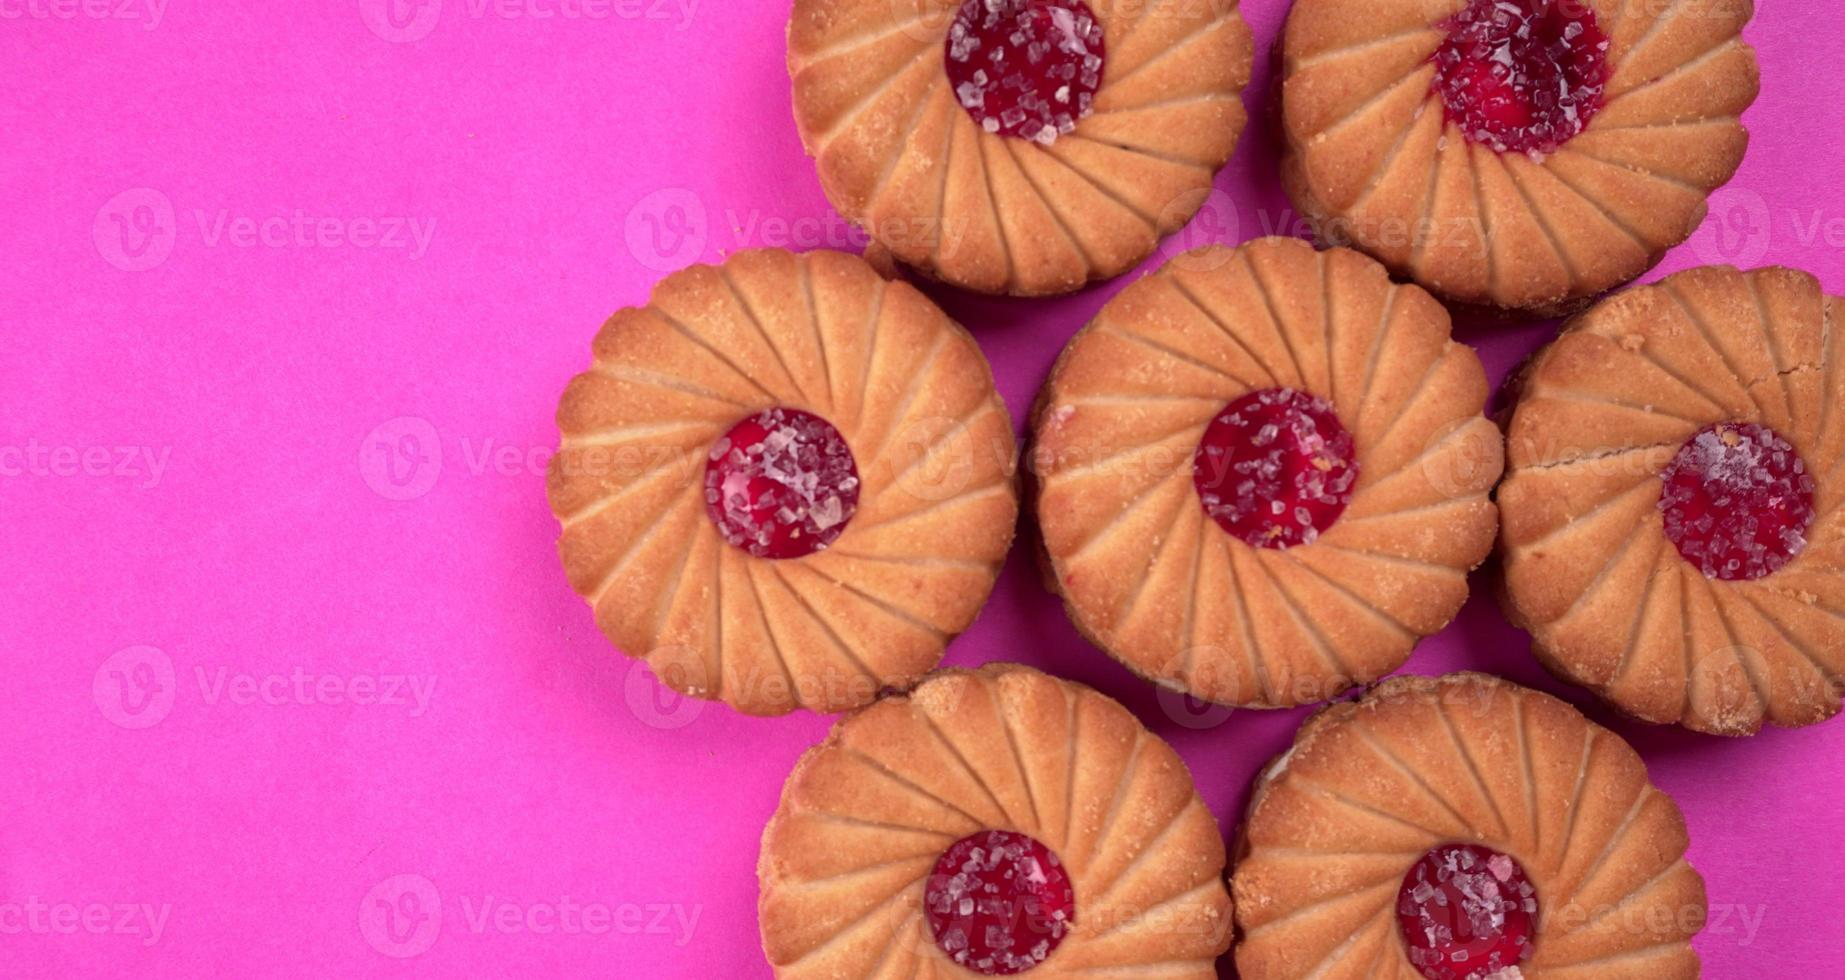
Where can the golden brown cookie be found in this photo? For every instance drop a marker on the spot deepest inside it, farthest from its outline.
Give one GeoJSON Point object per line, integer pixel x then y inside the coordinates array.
{"type": "Point", "coordinates": [1262, 473]}
{"type": "Point", "coordinates": [785, 481]}
{"type": "Point", "coordinates": [1524, 155]}
{"type": "Point", "coordinates": [1018, 146]}
{"type": "Point", "coordinates": [1673, 539]}
{"type": "Point", "coordinates": [1460, 828]}
{"type": "Point", "coordinates": [993, 821]}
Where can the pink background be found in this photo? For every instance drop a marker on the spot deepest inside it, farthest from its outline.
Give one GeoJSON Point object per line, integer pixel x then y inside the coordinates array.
{"type": "Point", "coordinates": [229, 457]}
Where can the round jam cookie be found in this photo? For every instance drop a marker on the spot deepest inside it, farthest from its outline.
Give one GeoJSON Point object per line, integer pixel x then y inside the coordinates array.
{"type": "Point", "coordinates": [1018, 146]}
{"type": "Point", "coordinates": [784, 482]}
{"type": "Point", "coordinates": [1518, 155]}
{"type": "Point", "coordinates": [1462, 828]}
{"type": "Point", "coordinates": [1262, 473]}
{"type": "Point", "coordinates": [992, 822]}
{"type": "Point", "coordinates": [1673, 539]}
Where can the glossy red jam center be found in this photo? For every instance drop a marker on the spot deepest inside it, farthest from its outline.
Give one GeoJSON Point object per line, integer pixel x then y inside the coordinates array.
{"type": "Point", "coordinates": [781, 484]}
{"type": "Point", "coordinates": [1025, 68]}
{"type": "Point", "coordinates": [999, 902]}
{"type": "Point", "coordinates": [1522, 75]}
{"type": "Point", "coordinates": [1467, 913]}
{"type": "Point", "coordinates": [1275, 468]}
{"type": "Point", "coordinates": [1737, 501]}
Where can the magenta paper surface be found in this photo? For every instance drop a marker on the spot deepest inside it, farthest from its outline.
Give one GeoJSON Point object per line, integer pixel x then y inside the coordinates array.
{"type": "Point", "coordinates": [295, 684]}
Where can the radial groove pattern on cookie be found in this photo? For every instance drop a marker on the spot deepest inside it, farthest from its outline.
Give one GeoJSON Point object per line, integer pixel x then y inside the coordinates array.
{"type": "Point", "coordinates": [1672, 526]}
{"type": "Point", "coordinates": [784, 482]}
{"type": "Point", "coordinates": [1018, 146]}
{"type": "Point", "coordinates": [1263, 473]}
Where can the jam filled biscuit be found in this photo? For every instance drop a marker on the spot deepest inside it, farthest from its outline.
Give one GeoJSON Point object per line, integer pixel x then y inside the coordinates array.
{"type": "Point", "coordinates": [1522, 155]}
{"type": "Point", "coordinates": [785, 482]}
{"type": "Point", "coordinates": [1262, 473]}
{"type": "Point", "coordinates": [990, 823]}
{"type": "Point", "coordinates": [1673, 537]}
{"type": "Point", "coordinates": [1018, 146]}
{"type": "Point", "coordinates": [1462, 828]}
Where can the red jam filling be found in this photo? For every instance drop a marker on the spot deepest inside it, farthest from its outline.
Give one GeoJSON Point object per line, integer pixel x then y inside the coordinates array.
{"type": "Point", "coordinates": [1275, 468]}
{"type": "Point", "coordinates": [781, 484]}
{"type": "Point", "coordinates": [1467, 913]}
{"type": "Point", "coordinates": [999, 902]}
{"type": "Point", "coordinates": [1522, 75]}
{"type": "Point", "coordinates": [1025, 68]}
{"type": "Point", "coordinates": [1737, 501]}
